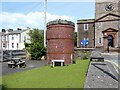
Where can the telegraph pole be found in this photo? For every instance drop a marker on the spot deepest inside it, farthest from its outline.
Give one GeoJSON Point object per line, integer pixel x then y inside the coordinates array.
{"type": "Point", "coordinates": [45, 8]}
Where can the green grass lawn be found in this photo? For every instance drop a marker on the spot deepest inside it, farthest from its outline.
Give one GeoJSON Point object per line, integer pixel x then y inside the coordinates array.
{"type": "Point", "coordinates": [72, 76]}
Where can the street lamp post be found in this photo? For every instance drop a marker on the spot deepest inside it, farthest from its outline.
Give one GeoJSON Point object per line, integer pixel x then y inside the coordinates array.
{"type": "Point", "coordinates": [45, 6]}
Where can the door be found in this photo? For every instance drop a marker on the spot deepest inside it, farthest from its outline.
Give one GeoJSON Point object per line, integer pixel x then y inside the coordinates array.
{"type": "Point", "coordinates": [110, 41]}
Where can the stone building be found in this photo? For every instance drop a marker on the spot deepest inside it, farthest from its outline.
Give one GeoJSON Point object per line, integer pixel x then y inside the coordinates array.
{"type": "Point", "coordinates": [106, 25]}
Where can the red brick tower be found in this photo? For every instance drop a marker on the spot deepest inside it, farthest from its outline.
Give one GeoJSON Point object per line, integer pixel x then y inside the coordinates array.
{"type": "Point", "coordinates": [60, 41]}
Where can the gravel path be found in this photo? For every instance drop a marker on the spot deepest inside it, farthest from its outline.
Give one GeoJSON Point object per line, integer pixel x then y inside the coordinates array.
{"type": "Point", "coordinates": [101, 75]}
{"type": "Point", "coordinates": [30, 65]}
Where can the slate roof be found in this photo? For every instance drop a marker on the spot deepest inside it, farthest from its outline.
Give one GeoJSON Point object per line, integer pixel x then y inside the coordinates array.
{"type": "Point", "coordinates": [85, 20]}
{"type": "Point", "coordinates": [16, 31]}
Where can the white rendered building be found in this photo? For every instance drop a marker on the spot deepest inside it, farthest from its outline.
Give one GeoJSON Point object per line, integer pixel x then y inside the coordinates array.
{"type": "Point", "coordinates": [14, 39]}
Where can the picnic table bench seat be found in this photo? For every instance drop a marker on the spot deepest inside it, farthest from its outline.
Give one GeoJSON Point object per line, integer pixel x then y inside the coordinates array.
{"type": "Point", "coordinates": [61, 61]}
{"type": "Point", "coordinates": [20, 64]}
{"type": "Point", "coordinates": [11, 64]}
{"type": "Point", "coordinates": [16, 62]}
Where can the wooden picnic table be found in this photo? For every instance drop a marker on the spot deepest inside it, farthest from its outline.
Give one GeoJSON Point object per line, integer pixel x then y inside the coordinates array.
{"type": "Point", "coordinates": [16, 62]}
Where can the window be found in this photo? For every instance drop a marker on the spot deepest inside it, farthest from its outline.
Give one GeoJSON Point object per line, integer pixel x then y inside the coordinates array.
{"type": "Point", "coordinates": [8, 45]}
{"type": "Point", "coordinates": [16, 35]}
{"type": "Point", "coordinates": [24, 38]}
{"type": "Point", "coordinates": [7, 38]}
{"type": "Point", "coordinates": [17, 45]}
{"type": "Point", "coordinates": [99, 40]}
{"type": "Point", "coordinates": [85, 27]}
{"type": "Point", "coordinates": [3, 45]}
{"type": "Point", "coordinates": [12, 37]}
{"type": "Point", "coordinates": [3, 38]}
{"type": "Point", "coordinates": [12, 45]}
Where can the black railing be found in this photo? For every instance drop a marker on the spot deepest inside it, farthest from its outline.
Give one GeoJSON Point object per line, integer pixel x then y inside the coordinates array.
{"type": "Point", "coordinates": [6, 55]}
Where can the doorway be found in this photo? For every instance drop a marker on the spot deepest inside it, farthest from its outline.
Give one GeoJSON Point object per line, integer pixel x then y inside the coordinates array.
{"type": "Point", "coordinates": [110, 41]}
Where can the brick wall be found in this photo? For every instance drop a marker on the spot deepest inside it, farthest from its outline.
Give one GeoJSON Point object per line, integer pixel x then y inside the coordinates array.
{"type": "Point", "coordinates": [86, 34]}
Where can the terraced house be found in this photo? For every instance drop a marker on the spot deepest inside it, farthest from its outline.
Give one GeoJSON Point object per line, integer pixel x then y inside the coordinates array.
{"type": "Point", "coordinates": [103, 31]}
{"type": "Point", "coordinates": [14, 39]}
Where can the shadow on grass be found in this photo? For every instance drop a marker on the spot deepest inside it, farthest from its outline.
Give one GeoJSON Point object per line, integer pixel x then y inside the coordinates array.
{"type": "Point", "coordinates": [3, 87]}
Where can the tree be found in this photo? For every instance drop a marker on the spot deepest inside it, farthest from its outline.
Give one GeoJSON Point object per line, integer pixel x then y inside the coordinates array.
{"type": "Point", "coordinates": [75, 39]}
{"type": "Point", "coordinates": [36, 47]}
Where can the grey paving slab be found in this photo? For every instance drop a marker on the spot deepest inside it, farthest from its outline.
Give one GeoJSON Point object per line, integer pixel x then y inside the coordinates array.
{"type": "Point", "coordinates": [112, 56]}
{"type": "Point", "coordinates": [101, 75]}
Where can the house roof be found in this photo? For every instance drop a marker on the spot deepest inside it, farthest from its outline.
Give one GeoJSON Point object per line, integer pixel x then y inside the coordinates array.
{"type": "Point", "coordinates": [16, 31]}
{"type": "Point", "coordinates": [82, 21]}
{"type": "Point", "coordinates": [85, 20]}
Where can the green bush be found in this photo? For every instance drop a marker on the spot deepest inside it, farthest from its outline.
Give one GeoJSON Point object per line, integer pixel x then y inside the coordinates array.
{"type": "Point", "coordinates": [85, 55]}
{"type": "Point", "coordinates": [36, 47]}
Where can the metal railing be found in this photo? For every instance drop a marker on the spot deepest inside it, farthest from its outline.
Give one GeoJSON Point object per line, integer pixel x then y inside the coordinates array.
{"type": "Point", "coordinates": [6, 55]}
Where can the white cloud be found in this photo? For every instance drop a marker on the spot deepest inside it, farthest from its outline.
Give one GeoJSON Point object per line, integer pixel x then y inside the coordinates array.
{"type": "Point", "coordinates": [32, 19]}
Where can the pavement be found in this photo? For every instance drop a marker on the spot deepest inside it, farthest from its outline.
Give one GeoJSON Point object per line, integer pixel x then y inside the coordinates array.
{"type": "Point", "coordinates": [30, 65]}
{"type": "Point", "coordinates": [112, 57]}
{"type": "Point", "coordinates": [101, 75]}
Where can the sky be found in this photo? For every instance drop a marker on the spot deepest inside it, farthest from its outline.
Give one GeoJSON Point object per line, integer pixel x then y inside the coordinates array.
{"type": "Point", "coordinates": [31, 14]}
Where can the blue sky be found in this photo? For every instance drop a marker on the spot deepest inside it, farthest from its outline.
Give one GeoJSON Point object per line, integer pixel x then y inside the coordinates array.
{"type": "Point", "coordinates": [30, 14]}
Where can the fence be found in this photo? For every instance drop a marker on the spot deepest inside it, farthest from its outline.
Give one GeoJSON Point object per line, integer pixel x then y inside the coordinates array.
{"type": "Point", "coordinates": [6, 55]}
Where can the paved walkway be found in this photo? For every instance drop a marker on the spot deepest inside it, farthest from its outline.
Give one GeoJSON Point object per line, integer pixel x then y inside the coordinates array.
{"type": "Point", "coordinates": [30, 65]}
{"type": "Point", "coordinates": [101, 75]}
{"type": "Point", "coordinates": [113, 57]}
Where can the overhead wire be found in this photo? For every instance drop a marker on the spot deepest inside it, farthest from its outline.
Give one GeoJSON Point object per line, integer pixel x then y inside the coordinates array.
{"type": "Point", "coordinates": [33, 7]}
{"type": "Point", "coordinates": [27, 9]}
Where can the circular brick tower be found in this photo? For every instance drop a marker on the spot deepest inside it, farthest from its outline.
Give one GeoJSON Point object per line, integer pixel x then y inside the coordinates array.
{"type": "Point", "coordinates": [60, 41]}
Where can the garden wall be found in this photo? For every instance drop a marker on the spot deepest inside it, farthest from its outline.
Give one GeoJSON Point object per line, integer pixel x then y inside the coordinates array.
{"type": "Point", "coordinates": [82, 53]}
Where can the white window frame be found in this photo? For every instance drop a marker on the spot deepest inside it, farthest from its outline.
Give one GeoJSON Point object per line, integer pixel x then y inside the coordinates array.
{"type": "Point", "coordinates": [7, 37]}
{"type": "Point", "coordinates": [3, 38]}
{"type": "Point", "coordinates": [87, 38]}
{"type": "Point", "coordinates": [24, 38]}
{"type": "Point", "coordinates": [100, 40]}
{"type": "Point", "coordinates": [86, 26]}
{"type": "Point", "coordinates": [12, 37]}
